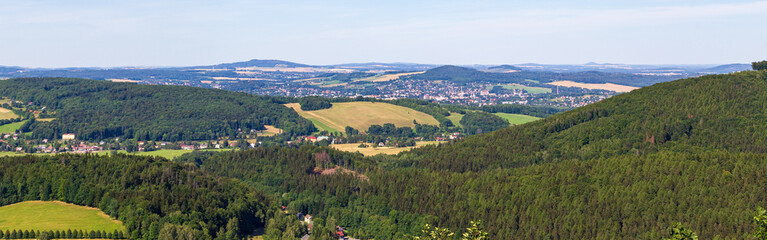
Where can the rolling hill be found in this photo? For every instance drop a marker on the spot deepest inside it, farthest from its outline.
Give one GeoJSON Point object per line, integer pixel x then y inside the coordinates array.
{"type": "Point", "coordinates": [463, 74]}
{"type": "Point", "coordinates": [95, 110]}
{"type": "Point", "coordinates": [689, 151]}
{"type": "Point", "coordinates": [255, 63]}
{"type": "Point", "coordinates": [150, 196]}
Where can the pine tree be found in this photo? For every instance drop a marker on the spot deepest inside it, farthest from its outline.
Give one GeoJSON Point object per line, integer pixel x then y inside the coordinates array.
{"type": "Point", "coordinates": [44, 236]}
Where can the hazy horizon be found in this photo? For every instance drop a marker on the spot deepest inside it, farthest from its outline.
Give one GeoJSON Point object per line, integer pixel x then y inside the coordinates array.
{"type": "Point", "coordinates": [50, 34]}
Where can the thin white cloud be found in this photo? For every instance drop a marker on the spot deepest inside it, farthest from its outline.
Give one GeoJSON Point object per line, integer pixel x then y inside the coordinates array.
{"type": "Point", "coordinates": [538, 21]}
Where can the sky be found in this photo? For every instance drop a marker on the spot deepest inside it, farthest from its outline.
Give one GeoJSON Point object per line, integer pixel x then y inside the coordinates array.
{"type": "Point", "coordinates": [183, 33]}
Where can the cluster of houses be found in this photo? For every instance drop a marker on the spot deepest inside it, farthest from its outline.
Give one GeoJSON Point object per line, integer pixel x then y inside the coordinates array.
{"type": "Point", "coordinates": [85, 148]}
{"type": "Point", "coordinates": [450, 136]}
{"type": "Point", "coordinates": [308, 221]}
{"type": "Point", "coordinates": [9, 135]}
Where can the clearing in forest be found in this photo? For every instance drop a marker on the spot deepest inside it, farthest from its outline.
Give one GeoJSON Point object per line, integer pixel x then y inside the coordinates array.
{"type": "Point", "coordinates": [55, 215]}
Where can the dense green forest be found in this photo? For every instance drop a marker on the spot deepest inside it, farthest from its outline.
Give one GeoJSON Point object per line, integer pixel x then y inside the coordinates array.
{"type": "Point", "coordinates": [482, 122]}
{"type": "Point", "coordinates": [151, 196]}
{"type": "Point", "coordinates": [96, 110]}
{"type": "Point", "coordinates": [762, 65]}
{"type": "Point", "coordinates": [314, 103]}
{"type": "Point", "coordinates": [690, 151]}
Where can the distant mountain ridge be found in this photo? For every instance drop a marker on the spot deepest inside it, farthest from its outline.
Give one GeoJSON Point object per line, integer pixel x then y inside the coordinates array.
{"type": "Point", "coordinates": [258, 63]}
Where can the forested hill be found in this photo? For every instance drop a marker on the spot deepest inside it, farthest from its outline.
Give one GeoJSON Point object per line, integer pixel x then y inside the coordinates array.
{"type": "Point", "coordinates": [96, 110]}
{"type": "Point", "coordinates": [690, 151]}
{"type": "Point", "coordinates": [154, 198]}
{"type": "Point", "coordinates": [463, 74]}
{"type": "Point", "coordinates": [724, 112]}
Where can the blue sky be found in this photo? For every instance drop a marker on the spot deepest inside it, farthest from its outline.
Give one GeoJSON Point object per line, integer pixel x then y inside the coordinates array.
{"type": "Point", "coordinates": [179, 33]}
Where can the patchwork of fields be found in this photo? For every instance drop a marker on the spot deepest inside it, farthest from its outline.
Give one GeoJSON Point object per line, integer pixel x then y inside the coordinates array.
{"type": "Point", "coordinates": [361, 115]}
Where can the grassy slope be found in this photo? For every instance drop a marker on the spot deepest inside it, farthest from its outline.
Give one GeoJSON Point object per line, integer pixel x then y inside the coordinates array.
{"type": "Point", "coordinates": [39, 215]}
{"type": "Point", "coordinates": [370, 151]}
{"type": "Point", "coordinates": [360, 115]}
{"type": "Point", "coordinates": [11, 127]}
{"type": "Point", "coordinates": [7, 114]}
{"type": "Point", "coordinates": [517, 119]}
{"type": "Point", "coordinates": [456, 118]}
{"type": "Point", "coordinates": [514, 119]}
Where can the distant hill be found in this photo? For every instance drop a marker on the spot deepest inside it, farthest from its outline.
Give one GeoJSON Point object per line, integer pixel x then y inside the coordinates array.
{"type": "Point", "coordinates": [374, 66]}
{"type": "Point", "coordinates": [96, 110]}
{"type": "Point", "coordinates": [728, 68]}
{"type": "Point", "coordinates": [463, 74]}
{"type": "Point", "coordinates": [504, 68]}
{"type": "Point", "coordinates": [6, 70]}
{"type": "Point", "coordinates": [259, 63]}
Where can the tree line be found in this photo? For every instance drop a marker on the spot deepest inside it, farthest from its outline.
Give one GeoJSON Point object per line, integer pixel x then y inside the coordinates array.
{"type": "Point", "coordinates": [68, 234]}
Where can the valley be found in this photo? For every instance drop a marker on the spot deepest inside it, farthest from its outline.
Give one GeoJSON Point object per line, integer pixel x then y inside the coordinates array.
{"type": "Point", "coordinates": [396, 157]}
{"type": "Point", "coordinates": [383, 120]}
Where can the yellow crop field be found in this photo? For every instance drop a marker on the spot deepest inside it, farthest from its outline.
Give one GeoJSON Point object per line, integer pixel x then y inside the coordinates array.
{"type": "Point", "coordinates": [371, 151]}
{"type": "Point", "coordinates": [603, 86]}
{"type": "Point", "coordinates": [361, 115]}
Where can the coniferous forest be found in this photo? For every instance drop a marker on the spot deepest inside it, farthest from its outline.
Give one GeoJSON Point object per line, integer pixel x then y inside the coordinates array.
{"type": "Point", "coordinates": [151, 196]}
